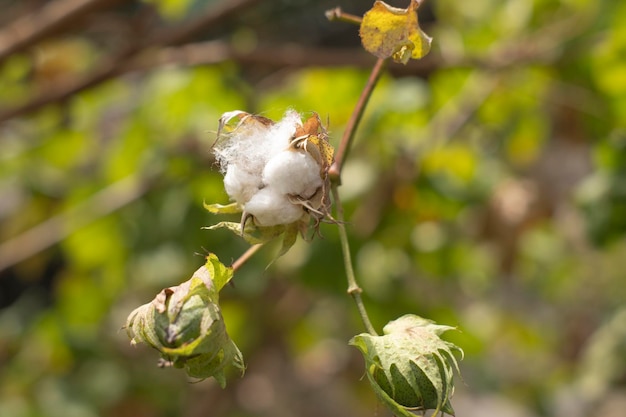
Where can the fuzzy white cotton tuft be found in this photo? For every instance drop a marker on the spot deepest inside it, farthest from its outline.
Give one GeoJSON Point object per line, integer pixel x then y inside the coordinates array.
{"type": "Point", "coordinates": [252, 144]}
{"type": "Point", "coordinates": [240, 184]}
{"type": "Point", "coordinates": [271, 208]}
{"type": "Point", "coordinates": [279, 135]}
{"type": "Point", "coordinates": [243, 150]}
{"type": "Point", "coordinates": [293, 172]}
{"type": "Point", "coordinates": [244, 153]}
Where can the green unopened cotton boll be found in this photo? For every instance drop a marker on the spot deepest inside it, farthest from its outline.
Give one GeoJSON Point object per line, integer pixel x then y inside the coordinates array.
{"type": "Point", "coordinates": [293, 172]}
{"type": "Point", "coordinates": [271, 208]}
{"type": "Point", "coordinates": [184, 323]}
{"type": "Point", "coordinates": [410, 367]}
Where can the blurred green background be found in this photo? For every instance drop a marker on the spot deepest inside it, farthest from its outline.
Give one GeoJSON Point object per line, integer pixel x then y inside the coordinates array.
{"type": "Point", "coordinates": [486, 190]}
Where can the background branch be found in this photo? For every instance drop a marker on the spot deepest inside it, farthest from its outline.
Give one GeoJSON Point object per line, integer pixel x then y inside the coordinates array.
{"type": "Point", "coordinates": [57, 228]}
{"type": "Point", "coordinates": [167, 47]}
{"type": "Point", "coordinates": [122, 61]}
{"type": "Point", "coordinates": [30, 29]}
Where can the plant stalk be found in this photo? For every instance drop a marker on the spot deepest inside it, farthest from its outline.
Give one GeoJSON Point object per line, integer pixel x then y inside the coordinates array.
{"type": "Point", "coordinates": [348, 135]}
{"type": "Point", "coordinates": [353, 287]}
{"type": "Point", "coordinates": [245, 256]}
{"type": "Point", "coordinates": [337, 14]}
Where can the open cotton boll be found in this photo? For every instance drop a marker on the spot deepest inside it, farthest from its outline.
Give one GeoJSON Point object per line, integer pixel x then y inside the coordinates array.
{"type": "Point", "coordinates": [240, 184]}
{"type": "Point", "coordinates": [270, 208]}
{"type": "Point", "coordinates": [293, 172]}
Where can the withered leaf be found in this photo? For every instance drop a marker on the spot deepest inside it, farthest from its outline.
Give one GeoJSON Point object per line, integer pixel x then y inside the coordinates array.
{"type": "Point", "coordinates": [391, 32]}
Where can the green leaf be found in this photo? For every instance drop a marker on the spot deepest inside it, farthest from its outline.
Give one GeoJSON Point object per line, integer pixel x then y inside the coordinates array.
{"type": "Point", "coordinates": [223, 209]}
{"type": "Point", "coordinates": [220, 273]}
{"type": "Point", "coordinates": [410, 367]}
{"type": "Point", "coordinates": [256, 234]}
{"type": "Point", "coordinates": [250, 235]}
{"type": "Point", "coordinates": [388, 31]}
{"type": "Point", "coordinates": [232, 226]}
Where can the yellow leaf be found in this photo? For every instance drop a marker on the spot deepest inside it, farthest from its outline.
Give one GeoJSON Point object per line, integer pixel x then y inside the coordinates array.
{"type": "Point", "coordinates": [388, 31]}
{"type": "Point", "coordinates": [313, 138]}
{"type": "Point", "coordinates": [320, 150]}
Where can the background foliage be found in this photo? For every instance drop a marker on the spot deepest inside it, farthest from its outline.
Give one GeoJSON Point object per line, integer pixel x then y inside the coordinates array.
{"type": "Point", "coordinates": [484, 191]}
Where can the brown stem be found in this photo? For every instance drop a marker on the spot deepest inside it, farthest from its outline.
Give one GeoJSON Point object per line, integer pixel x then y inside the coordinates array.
{"type": "Point", "coordinates": [246, 256]}
{"type": "Point", "coordinates": [339, 15]}
{"type": "Point", "coordinates": [117, 63]}
{"type": "Point", "coordinates": [30, 29]}
{"type": "Point", "coordinates": [348, 135]}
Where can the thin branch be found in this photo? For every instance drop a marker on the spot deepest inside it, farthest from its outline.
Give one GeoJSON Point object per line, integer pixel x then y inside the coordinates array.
{"type": "Point", "coordinates": [119, 63]}
{"type": "Point", "coordinates": [444, 126]}
{"type": "Point", "coordinates": [348, 135]}
{"type": "Point", "coordinates": [57, 228]}
{"type": "Point", "coordinates": [30, 29]}
{"type": "Point", "coordinates": [105, 71]}
{"type": "Point", "coordinates": [213, 16]}
{"type": "Point", "coordinates": [246, 256]}
{"type": "Point", "coordinates": [269, 56]}
{"type": "Point", "coordinates": [211, 53]}
{"type": "Point", "coordinates": [338, 15]}
{"type": "Point", "coordinates": [514, 53]}
{"type": "Point", "coordinates": [353, 287]}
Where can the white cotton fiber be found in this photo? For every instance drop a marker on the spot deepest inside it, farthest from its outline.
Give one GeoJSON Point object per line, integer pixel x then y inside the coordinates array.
{"type": "Point", "coordinates": [271, 208]}
{"type": "Point", "coordinates": [240, 184]}
{"type": "Point", "coordinates": [293, 172]}
{"type": "Point", "coordinates": [253, 143]}
{"type": "Point", "coordinates": [244, 151]}
{"type": "Point", "coordinates": [279, 136]}
{"type": "Point", "coordinates": [244, 147]}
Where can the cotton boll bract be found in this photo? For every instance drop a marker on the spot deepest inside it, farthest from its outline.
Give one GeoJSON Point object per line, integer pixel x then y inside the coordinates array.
{"type": "Point", "coordinates": [293, 172]}
{"type": "Point", "coordinates": [270, 208]}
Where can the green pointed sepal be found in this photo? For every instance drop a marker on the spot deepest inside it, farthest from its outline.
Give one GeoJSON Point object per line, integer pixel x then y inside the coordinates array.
{"type": "Point", "coordinates": [254, 235]}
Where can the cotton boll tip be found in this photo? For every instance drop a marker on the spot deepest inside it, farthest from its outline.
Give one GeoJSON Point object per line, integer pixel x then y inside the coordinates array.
{"type": "Point", "coordinates": [270, 208]}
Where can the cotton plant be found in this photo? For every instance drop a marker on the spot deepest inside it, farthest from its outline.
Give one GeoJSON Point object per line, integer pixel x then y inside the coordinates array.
{"type": "Point", "coordinates": [279, 176]}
